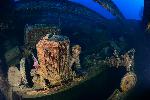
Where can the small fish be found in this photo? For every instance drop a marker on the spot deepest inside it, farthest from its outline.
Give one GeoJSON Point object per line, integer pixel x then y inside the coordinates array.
{"type": "Point", "coordinates": [36, 63]}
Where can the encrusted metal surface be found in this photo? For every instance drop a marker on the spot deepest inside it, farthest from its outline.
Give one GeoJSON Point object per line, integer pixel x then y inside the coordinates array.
{"type": "Point", "coordinates": [128, 81]}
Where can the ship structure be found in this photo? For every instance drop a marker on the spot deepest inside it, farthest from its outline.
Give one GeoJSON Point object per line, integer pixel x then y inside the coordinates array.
{"type": "Point", "coordinates": [50, 64]}
{"type": "Point", "coordinates": [111, 7]}
{"type": "Point", "coordinates": [54, 57]}
{"type": "Point", "coordinates": [55, 64]}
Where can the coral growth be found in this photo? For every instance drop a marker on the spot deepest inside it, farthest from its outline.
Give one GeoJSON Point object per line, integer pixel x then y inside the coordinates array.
{"type": "Point", "coordinates": [22, 71]}
{"type": "Point", "coordinates": [74, 59]}
{"type": "Point", "coordinates": [126, 60]}
{"type": "Point", "coordinates": [14, 76]}
{"type": "Point", "coordinates": [53, 55]}
{"type": "Point", "coordinates": [54, 62]}
{"type": "Point", "coordinates": [128, 81]}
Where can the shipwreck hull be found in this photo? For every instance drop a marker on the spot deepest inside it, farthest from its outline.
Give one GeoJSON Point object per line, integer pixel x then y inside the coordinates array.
{"type": "Point", "coordinates": [92, 87]}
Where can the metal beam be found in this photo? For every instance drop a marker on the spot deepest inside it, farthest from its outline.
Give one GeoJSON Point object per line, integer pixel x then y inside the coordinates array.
{"type": "Point", "coordinates": [111, 7]}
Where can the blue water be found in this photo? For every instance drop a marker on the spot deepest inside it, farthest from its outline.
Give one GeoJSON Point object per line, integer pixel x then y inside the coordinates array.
{"type": "Point", "coordinates": [131, 9]}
